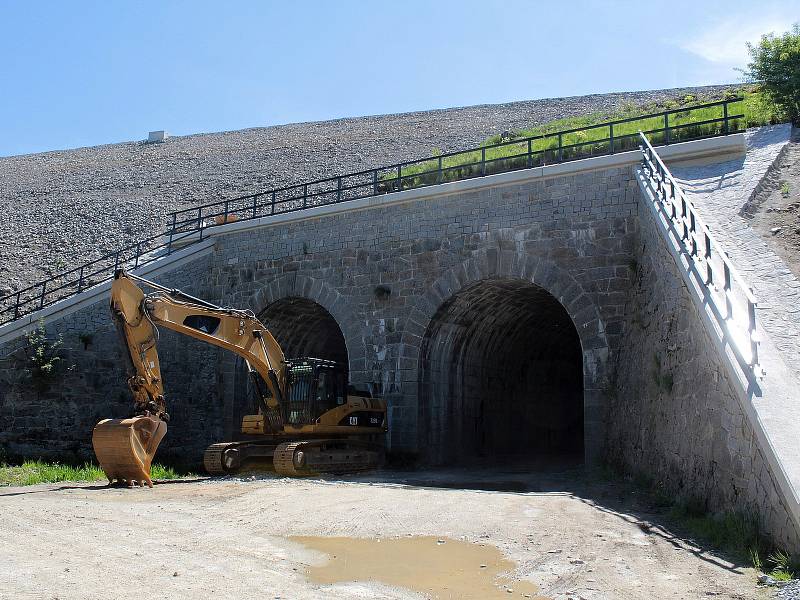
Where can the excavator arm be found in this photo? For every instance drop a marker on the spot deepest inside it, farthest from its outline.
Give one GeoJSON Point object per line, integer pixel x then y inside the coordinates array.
{"type": "Point", "coordinates": [125, 447]}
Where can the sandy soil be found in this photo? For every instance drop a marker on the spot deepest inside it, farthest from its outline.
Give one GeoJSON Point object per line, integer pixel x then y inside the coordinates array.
{"type": "Point", "coordinates": [571, 535]}
{"type": "Point", "coordinates": [775, 211]}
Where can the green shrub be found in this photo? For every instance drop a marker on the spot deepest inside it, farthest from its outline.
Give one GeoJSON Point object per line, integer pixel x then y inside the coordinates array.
{"type": "Point", "coordinates": [775, 66]}
{"type": "Point", "coordinates": [44, 357]}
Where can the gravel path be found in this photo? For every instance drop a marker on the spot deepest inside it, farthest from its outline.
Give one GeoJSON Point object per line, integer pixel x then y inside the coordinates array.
{"type": "Point", "coordinates": [64, 208]}
{"type": "Point", "coordinates": [229, 539]}
{"type": "Point", "coordinates": [720, 192]}
{"type": "Point", "coordinates": [774, 210]}
{"type": "Point", "coordinates": [789, 592]}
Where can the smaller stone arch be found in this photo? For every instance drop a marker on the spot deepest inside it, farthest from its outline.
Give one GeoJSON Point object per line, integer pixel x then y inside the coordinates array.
{"type": "Point", "coordinates": [296, 285]}
{"type": "Point", "coordinates": [307, 317]}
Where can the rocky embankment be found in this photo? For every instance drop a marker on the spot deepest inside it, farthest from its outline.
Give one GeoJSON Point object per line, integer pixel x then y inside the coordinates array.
{"type": "Point", "coordinates": [64, 208]}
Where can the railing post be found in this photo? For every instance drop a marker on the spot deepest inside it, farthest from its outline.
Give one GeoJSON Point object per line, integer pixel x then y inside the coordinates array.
{"type": "Point", "coordinates": [138, 250]}
{"type": "Point", "coordinates": [305, 194]}
{"type": "Point", "coordinates": [666, 128]}
{"type": "Point", "coordinates": [709, 268]}
{"type": "Point", "coordinates": [399, 178]}
{"type": "Point", "coordinates": [726, 286]}
{"type": "Point", "coordinates": [338, 189]}
{"type": "Point", "coordinates": [611, 138]}
{"type": "Point", "coordinates": [483, 161]}
{"type": "Point", "coordinates": [16, 306]}
{"type": "Point", "coordinates": [272, 204]}
{"type": "Point", "coordinates": [41, 298]}
{"type": "Point", "coordinates": [171, 233]}
{"type": "Point", "coordinates": [725, 117]}
{"type": "Point", "coordinates": [225, 216]}
{"type": "Point", "coordinates": [255, 206]}
{"type": "Point", "coordinates": [439, 175]}
{"type": "Point", "coordinates": [375, 182]}
{"type": "Point", "coordinates": [80, 279]}
{"type": "Point", "coordinates": [751, 326]}
{"type": "Point", "coordinates": [199, 218]}
{"type": "Point", "coordinates": [530, 154]}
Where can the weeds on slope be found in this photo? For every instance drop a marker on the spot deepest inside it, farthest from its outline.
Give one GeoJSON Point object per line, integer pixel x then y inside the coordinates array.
{"type": "Point", "coordinates": [688, 123]}
{"type": "Point", "coordinates": [737, 535]}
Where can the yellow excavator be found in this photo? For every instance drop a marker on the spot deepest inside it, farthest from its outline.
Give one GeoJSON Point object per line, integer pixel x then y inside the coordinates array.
{"type": "Point", "coordinates": [309, 420]}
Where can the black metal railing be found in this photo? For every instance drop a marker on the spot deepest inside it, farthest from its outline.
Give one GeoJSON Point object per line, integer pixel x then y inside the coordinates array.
{"type": "Point", "coordinates": [74, 281]}
{"type": "Point", "coordinates": [185, 226]}
{"type": "Point", "coordinates": [522, 153]}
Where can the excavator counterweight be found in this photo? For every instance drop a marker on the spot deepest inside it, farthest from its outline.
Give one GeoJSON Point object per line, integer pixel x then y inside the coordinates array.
{"type": "Point", "coordinates": [309, 420]}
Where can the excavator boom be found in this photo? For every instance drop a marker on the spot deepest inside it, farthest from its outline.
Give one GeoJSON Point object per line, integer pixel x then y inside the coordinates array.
{"type": "Point", "coordinates": [125, 447]}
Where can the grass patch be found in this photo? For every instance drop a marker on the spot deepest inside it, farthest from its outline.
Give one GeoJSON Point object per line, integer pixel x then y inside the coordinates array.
{"type": "Point", "coordinates": [735, 534]}
{"type": "Point", "coordinates": [756, 108]}
{"type": "Point", "coordinates": [32, 472]}
{"type": "Point", "coordinates": [738, 535]}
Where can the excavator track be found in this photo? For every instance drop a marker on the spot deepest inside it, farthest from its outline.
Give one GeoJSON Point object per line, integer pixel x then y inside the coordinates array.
{"type": "Point", "coordinates": [226, 458]}
{"type": "Point", "coordinates": [214, 458]}
{"type": "Point", "coordinates": [334, 456]}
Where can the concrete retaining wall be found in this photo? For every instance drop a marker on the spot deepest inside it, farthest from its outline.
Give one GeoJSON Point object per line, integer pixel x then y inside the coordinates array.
{"type": "Point", "coordinates": [679, 413]}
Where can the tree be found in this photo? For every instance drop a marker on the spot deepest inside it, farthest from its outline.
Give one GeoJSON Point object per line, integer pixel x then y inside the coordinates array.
{"type": "Point", "coordinates": [775, 67]}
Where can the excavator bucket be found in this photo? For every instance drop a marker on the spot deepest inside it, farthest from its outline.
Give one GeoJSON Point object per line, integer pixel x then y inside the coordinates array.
{"type": "Point", "coordinates": [125, 448]}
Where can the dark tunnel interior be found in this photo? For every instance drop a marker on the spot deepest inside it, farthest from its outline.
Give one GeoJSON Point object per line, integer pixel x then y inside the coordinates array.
{"type": "Point", "coordinates": [501, 375]}
{"type": "Point", "coordinates": [303, 328]}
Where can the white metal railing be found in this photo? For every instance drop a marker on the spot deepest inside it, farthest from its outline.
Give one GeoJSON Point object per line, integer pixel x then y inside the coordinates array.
{"type": "Point", "coordinates": [730, 299]}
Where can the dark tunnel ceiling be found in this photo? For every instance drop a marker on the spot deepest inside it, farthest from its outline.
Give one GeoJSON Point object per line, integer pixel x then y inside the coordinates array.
{"type": "Point", "coordinates": [304, 328]}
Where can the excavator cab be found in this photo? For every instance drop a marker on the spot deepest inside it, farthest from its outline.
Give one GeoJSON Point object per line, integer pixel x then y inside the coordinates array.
{"type": "Point", "coordinates": [314, 386]}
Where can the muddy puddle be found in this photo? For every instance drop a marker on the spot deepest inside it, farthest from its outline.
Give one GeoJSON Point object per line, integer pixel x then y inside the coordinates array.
{"type": "Point", "coordinates": [439, 568]}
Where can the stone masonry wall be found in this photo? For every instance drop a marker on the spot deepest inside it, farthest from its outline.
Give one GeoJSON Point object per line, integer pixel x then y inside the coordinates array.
{"type": "Point", "coordinates": [384, 272]}
{"type": "Point", "coordinates": [674, 415]}
{"type": "Point", "coordinates": [55, 421]}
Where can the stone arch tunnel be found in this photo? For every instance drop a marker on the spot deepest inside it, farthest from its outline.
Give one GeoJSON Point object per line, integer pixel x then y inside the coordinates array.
{"type": "Point", "coordinates": [501, 375]}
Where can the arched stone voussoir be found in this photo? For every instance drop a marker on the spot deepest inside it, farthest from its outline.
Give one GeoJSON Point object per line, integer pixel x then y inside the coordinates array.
{"type": "Point", "coordinates": [493, 263]}
{"type": "Point", "coordinates": [310, 288]}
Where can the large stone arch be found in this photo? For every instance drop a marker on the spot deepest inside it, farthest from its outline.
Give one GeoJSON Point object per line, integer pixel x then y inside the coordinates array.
{"type": "Point", "coordinates": [553, 279]}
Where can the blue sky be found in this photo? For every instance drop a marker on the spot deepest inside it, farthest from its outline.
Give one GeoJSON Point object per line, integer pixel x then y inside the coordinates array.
{"type": "Point", "coordinates": [84, 73]}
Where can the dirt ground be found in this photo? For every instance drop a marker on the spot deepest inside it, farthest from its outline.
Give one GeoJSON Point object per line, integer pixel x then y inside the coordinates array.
{"type": "Point", "coordinates": [775, 211]}
{"type": "Point", "coordinates": [571, 534]}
